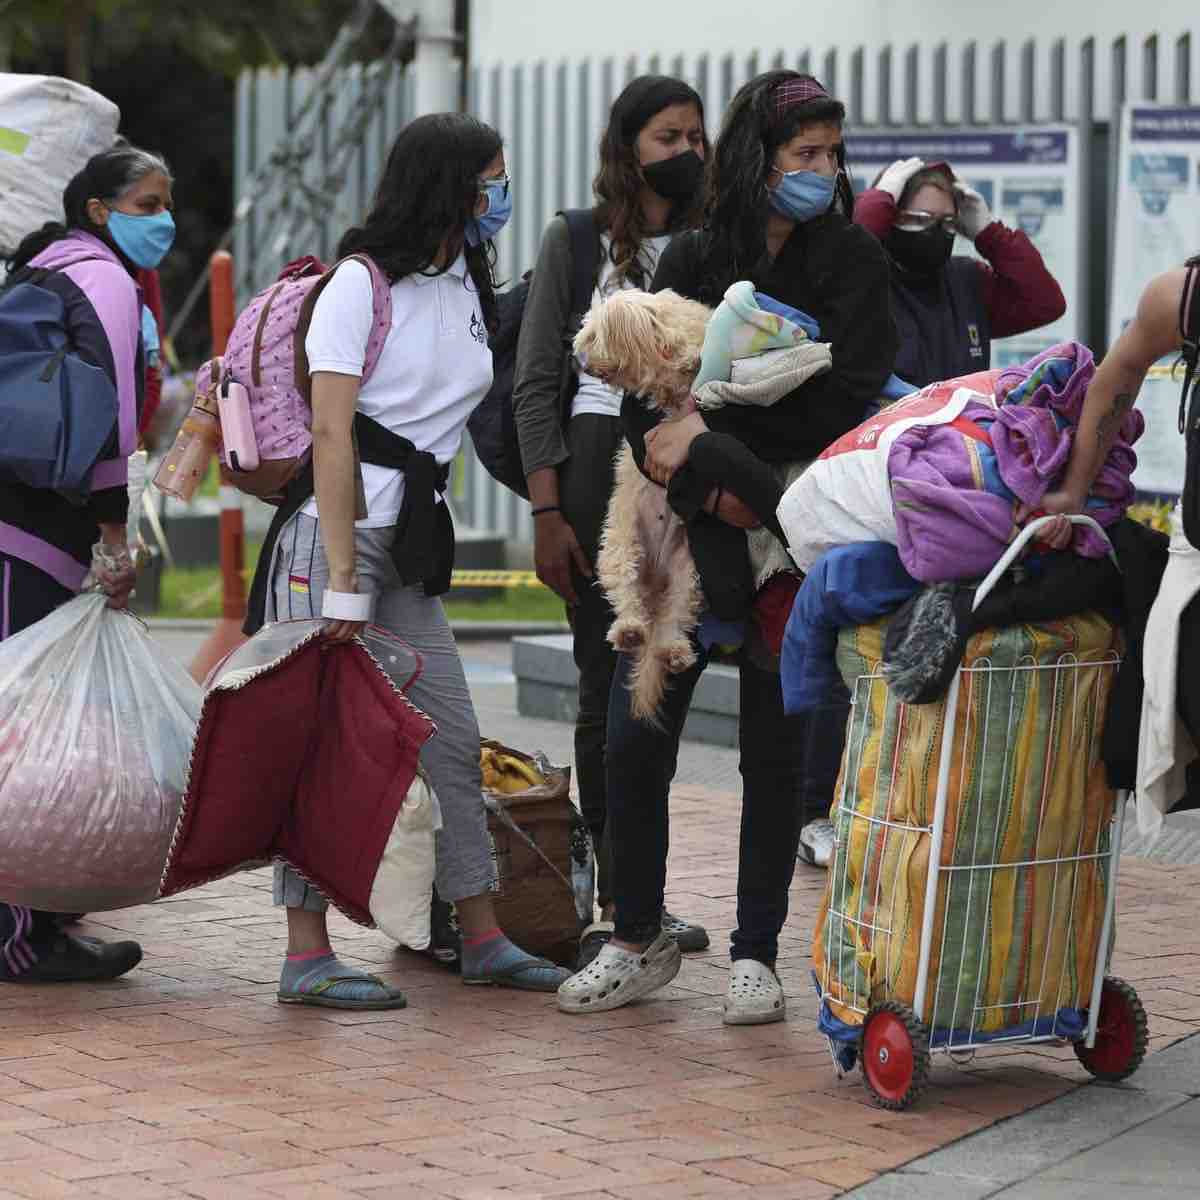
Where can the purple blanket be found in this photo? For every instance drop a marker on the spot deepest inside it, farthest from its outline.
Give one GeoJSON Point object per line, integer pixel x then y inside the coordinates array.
{"type": "Point", "coordinates": [954, 495]}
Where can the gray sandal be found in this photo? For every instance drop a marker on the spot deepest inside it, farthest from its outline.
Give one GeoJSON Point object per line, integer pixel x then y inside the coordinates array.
{"type": "Point", "coordinates": [318, 995]}
{"type": "Point", "coordinates": [551, 975]}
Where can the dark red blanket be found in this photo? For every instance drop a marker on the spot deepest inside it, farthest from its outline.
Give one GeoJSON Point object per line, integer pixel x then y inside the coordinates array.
{"type": "Point", "coordinates": [304, 753]}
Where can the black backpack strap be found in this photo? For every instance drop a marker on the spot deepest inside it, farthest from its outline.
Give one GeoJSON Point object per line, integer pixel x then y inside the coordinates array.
{"type": "Point", "coordinates": [585, 256]}
{"type": "Point", "coordinates": [1189, 332]}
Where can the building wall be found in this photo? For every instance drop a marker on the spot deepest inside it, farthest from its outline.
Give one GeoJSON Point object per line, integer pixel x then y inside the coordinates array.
{"type": "Point", "coordinates": [512, 31]}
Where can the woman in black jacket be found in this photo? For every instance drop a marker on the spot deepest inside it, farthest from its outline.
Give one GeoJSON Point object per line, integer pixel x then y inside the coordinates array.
{"type": "Point", "coordinates": [779, 208]}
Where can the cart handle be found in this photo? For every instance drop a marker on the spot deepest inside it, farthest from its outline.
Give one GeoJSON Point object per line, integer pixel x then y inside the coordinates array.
{"type": "Point", "coordinates": [1022, 540]}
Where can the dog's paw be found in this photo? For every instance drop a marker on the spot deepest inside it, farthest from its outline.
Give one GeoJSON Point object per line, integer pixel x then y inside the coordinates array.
{"type": "Point", "coordinates": [678, 656]}
{"type": "Point", "coordinates": [627, 636]}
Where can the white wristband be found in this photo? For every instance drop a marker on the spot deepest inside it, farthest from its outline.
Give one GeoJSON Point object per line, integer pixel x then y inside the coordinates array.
{"type": "Point", "coordinates": [347, 606]}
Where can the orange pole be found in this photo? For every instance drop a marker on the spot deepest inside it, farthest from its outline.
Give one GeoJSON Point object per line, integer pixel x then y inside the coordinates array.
{"type": "Point", "coordinates": [233, 556]}
{"type": "Point", "coordinates": [220, 299]}
{"type": "Point", "coordinates": [227, 636]}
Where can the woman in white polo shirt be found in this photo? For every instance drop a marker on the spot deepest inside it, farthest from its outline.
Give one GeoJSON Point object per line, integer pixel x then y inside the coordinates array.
{"type": "Point", "coordinates": [443, 196]}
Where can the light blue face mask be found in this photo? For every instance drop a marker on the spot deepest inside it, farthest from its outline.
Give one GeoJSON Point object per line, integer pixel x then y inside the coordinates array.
{"type": "Point", "coordinates": [495, 216]}
{"type": "Point", "coordinates": [143, 240]}
{"type": "Point", "coordinates": [802, 195]}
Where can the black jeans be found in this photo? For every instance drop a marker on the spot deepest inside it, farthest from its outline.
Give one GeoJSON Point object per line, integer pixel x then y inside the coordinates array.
{"type": "Point", "coordinates": [641, 765]}
{"type": "Point", "coordinates": [26, 596]}
{"type": "Point", "coordinates": [585, 483]}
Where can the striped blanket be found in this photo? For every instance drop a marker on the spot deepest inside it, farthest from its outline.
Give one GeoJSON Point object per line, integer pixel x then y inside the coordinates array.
{"type": "Point", "coordinates": [1011, 945]}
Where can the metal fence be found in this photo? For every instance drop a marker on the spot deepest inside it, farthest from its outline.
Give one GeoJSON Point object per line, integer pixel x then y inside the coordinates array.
{"type": "Point", "coordinates": [551, 115]}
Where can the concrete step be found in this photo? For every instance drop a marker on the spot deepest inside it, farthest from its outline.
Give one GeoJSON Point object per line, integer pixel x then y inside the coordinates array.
{"type": "Point", "coordinates": [548, 683]}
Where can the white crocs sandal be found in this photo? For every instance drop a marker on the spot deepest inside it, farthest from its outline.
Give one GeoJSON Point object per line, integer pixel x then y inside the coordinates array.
{"type": "Point", "coordinates": [616, 977]}
{"type": "Point", "coordinates": [754, 996]}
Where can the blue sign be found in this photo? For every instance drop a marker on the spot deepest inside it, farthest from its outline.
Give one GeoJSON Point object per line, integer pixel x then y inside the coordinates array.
{"type": "Point", "coordinates": [1166, 124]}
{"type": "Point", "coordinates": [1021, 147]}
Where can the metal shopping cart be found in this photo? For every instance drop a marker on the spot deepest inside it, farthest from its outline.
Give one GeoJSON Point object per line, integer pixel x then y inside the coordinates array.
{"type": "Point", "coordinates": [972, 889]}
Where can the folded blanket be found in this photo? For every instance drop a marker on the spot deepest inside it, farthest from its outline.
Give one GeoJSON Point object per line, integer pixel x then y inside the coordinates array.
{"type": "Point", "coordinates": [765, 378]}
{"type": "Point", "coordinates": [746, 323]}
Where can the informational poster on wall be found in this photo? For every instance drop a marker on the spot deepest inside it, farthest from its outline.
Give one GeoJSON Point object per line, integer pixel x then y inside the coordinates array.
{"type": "Point", "coordinates": [1030, 178]}
{"type": "Point", "coordinates": [1157, 228]}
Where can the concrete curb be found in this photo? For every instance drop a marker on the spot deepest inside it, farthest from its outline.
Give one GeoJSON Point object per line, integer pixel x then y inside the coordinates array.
{"type": "Point", "coordinates": [1074, 1145]}
{"type": "Point", "coordinates": [463, 630]}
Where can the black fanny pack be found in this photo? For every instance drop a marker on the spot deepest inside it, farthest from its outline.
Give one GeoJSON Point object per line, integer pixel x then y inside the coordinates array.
{"type": "Point", "coordinates": [1189, 408]}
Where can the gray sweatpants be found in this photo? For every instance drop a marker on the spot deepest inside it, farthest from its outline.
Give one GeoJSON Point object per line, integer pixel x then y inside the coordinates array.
{"type": "Point", "coordinates": [451, 756]}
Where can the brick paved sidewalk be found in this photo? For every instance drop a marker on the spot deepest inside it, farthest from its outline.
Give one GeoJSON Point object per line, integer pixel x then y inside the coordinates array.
{"type": "Point", "coordinates": [187, 1080]}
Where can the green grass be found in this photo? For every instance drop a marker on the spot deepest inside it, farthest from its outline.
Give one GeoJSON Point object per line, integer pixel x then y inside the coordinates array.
{"type": "Point", "coordinates": [511, 604]}
{"type": "Point", "coordinates": [196, 592]}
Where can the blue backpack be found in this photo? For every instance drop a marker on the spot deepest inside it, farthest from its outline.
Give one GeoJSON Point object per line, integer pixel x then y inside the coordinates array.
{"type": "Point", "coordinates": [58, 413]}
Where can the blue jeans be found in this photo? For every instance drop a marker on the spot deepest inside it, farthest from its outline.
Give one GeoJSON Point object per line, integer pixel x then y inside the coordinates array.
{"type": "Point", "coordinates": [783, 786]}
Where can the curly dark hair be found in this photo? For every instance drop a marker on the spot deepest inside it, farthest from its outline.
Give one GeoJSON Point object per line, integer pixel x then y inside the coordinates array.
{"type": "Point", "coordinates": [750, 134]}
{"type": "Point", "coordinates": [618, 183]}
{"type": "Point", "coordinates": [426, 196]}
{"type": "Point", "coordinates": [105, 176]}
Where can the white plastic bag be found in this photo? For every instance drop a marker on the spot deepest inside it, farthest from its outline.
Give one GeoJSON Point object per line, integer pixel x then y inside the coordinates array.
{"type": "Point", "coordinates": [846, 495]}
{"type": "Point", "coordinates": [49, 128]}
{"type": "Point", "coordinates": [402, 894]}
{"type": "Point", "coordinates": [96, 728]}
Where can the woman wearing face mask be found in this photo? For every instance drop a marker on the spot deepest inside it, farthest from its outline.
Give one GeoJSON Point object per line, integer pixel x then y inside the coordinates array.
{"type": "Point", "coordinates": [443, 196]}
{"type": "Point", "coordinates": [648, 187]}
{"type": "Point", "coordinates": [118, 221]}
{"type": "Point", "coordinates": [778, 215]}
{"type": "Point", "coordinates": [948, 307]}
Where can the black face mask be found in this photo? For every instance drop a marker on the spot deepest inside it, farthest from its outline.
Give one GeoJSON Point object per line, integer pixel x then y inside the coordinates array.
{"type": "Point", "coordinates": [676, 179]}
{"type": "Point", "coordinates": [923, 252]}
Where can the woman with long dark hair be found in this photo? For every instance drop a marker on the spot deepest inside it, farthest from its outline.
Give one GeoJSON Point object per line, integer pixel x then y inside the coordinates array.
{"type": "Point", "coordinates": [779, 215]}
{"type": "Point", "coordinates": [117, 221]}
{"type": "Point", "coordinates": [443, 196]}
{"type": "Point", "coordinates": [649, 186]}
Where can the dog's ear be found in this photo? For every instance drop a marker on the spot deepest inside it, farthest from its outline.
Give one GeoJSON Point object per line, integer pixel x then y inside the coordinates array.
{"type": "Point", "coordinates": [624, 339]}
{"type": "Point", "coordinates": [584, 343]}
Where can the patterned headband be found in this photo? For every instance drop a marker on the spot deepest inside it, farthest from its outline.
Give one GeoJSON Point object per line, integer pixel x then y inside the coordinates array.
{"type": "Point", "coordinates": [797, 91]}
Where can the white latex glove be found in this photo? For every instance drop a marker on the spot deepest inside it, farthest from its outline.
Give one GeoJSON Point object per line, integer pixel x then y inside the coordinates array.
{"type": "Point", "coordinates": [894, 179]}
{"type": "Point", "coordinates": [974, 216]}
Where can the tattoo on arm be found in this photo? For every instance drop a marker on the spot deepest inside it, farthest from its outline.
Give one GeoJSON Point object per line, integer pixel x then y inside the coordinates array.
{"type": "Point", "coordinates": [1111, 421]}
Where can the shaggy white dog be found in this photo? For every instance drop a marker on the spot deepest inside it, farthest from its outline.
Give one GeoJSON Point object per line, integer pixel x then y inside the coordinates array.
{"type": "Point", "coordinates": [648, 344]}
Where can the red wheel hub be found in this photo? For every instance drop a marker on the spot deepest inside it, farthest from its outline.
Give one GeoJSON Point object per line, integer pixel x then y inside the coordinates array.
{"type": "Point", "coordinates": [888, 1059]}
{"type": "Point", "coordinates": [1116, 1034]}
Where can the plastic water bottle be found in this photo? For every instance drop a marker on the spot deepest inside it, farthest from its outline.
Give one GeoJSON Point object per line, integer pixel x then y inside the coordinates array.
{"type": "Point", "coordinates": [186, 464]}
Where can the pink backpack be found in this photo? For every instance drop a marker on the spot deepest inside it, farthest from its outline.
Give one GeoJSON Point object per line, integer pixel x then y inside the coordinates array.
{"type": "Point", "coordinates": [266, 355]}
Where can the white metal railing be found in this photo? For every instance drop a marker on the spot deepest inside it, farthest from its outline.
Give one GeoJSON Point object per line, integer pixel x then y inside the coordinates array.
{"type": "Point", "coordinates": [551, 115]}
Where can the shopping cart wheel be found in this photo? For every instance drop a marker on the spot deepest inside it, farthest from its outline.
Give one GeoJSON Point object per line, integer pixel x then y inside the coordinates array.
{"type": "Point", "coordinates": [1120, 1034]}
{"type": "Point", "coordinates": [894, 1054]}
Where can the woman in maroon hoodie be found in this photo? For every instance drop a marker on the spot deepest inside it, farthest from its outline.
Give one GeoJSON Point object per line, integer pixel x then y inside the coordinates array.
{"type": "Point", "coordinates": [947, 308]}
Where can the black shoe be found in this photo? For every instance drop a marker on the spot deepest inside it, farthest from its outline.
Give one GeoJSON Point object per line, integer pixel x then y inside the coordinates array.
{"type": "Point", "coordinates": [445, 937]}
{"type": "Point", "coordinates": [82, 960]}
{"type": "Point", "coordinates": [61, 919]}
{"type": "Point", "coordinates": [590, 941]}
{"type": "Point", "coordinates": [688, 938]}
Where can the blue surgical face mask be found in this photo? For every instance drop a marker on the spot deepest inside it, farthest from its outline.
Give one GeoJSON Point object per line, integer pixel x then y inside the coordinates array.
{"type": "Point", "coordinates": [495, 216]}
{"type": "Point", "coordinates": [802, 195]}
{"type": "Point", "coordinates": [143, 240]}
